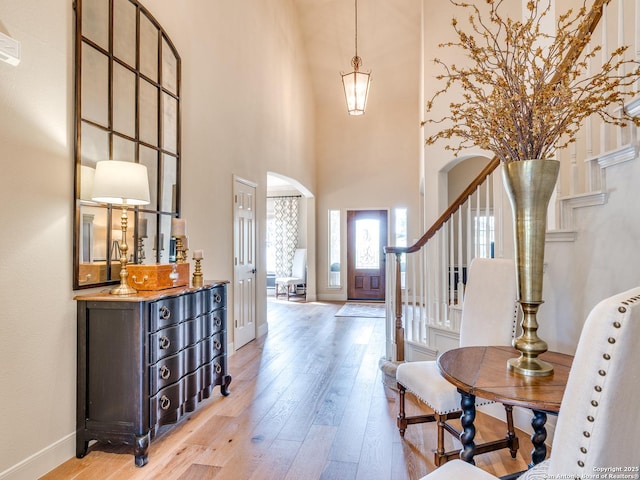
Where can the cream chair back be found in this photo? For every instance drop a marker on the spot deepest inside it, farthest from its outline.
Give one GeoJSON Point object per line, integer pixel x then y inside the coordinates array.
{"type": "Point", "coordinates": [299, 267]}
{"type": "Point", "coordinates": [599, 424]}
{"type": "Point", "coordinates": [489, 302]}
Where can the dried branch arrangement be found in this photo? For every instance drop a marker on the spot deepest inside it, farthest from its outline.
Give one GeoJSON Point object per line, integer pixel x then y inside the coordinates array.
{"type": "Point", "coordinates": [523, 94]}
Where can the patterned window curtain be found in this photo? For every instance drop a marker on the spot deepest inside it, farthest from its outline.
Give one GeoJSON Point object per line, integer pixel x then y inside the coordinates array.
{"type": "Point", "coordinates": [286, 233]}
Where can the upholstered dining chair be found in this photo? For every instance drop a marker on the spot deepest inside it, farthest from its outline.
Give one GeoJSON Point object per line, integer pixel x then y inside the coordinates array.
{"type": "Point", "coordinates": [298, 274]}
{"type": "Point", "coordinates": [598, 425]}
{"type": "Point", "coordinates": [489, 315]}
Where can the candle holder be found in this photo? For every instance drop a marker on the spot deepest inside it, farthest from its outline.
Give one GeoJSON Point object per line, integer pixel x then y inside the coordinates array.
{"type": "Point", "coordinates": [180, 257]}
{"type": "Point", "coordinates": [197, 274]}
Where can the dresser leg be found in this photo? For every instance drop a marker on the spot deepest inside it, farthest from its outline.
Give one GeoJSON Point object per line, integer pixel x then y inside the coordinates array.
{"type": "Point", "coordinates": [81, 446]}
{"type": "Point", "coordinates": [141, 449]}
{"type": "Point", "coordinates": [224, 388]}
{"type": "Point", "coordinates": [468, 406]}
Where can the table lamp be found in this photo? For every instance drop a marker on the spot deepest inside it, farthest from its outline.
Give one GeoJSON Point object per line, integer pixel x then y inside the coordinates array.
{"type": "Point", "coordinates": [124, 184]}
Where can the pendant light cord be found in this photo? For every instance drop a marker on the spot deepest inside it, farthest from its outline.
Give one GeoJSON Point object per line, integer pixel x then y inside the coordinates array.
{"type": "Point", "coordinates": [356, 2]}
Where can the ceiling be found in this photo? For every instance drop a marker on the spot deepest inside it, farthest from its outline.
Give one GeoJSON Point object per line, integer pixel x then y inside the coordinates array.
{"type": "Point", "coordinates": [388, 38]}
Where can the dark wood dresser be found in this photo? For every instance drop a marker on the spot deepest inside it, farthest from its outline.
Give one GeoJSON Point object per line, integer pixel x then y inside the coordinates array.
{"type": "Point", "coordinates": [146, 360]}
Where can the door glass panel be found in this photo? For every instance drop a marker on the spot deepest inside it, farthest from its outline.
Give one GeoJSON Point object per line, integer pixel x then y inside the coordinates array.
{"type": "Point", "coordinates": [367, 244]}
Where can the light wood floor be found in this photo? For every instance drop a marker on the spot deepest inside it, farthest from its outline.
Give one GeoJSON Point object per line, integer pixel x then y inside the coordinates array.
{"type": "Point", "coordinates": [307, 402]}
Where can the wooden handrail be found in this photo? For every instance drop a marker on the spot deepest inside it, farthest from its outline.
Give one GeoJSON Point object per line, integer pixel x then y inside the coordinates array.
{"type": "Point", "coordinates": [453, 208]}
{"type": "Point", "coordinates": [587, 28]}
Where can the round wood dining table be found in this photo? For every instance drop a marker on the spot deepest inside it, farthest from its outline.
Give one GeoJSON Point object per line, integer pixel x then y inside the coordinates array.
{"type": "Point", "coordinates": [483, 372]}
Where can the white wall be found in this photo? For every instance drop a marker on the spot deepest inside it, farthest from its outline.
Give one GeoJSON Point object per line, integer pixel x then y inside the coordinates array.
{"type": "Point", "coordinates": [603, 260]}
{"type": "Point", "coordinates": [245, 110]}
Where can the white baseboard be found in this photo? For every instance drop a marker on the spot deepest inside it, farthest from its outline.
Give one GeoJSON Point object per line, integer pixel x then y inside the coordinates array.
{"type": "Point", "coordinates": [332, 297]}
{"type": "Point", "coordinates": [43, 461]}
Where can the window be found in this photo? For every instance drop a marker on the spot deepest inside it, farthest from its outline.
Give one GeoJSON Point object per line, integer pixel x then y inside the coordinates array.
{"type": "Point", "coordinates": [400, 232]}
{"type": "Point", "coordinates": [334, 249]}
{"type": "Point", "coordinates": [484, 235]}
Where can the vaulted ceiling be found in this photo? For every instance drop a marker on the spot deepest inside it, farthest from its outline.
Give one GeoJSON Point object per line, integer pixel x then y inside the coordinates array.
{"type": "Point", "coordinates": [388, 37]}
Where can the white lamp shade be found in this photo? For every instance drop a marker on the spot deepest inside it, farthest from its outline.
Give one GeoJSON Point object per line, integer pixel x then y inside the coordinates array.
{"type": "Point", "coordinates": [120, 183]}
{"type": "Point", "coordinates": [356, 90]}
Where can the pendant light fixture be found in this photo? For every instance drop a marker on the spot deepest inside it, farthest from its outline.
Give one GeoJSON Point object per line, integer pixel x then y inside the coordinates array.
{"type": "Point", "coordinates": [356, 83]}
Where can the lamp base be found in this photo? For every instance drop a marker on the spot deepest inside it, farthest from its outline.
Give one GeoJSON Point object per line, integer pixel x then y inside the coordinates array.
{"type": "Point", "coordinates": [533, 367]}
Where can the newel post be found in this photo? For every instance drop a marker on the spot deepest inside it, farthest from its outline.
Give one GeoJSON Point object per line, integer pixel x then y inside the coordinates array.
{"type": "Point", "coordinates": [399, 327]}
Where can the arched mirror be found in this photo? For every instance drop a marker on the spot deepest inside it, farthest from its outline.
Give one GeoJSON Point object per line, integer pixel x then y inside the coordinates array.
{"type": "Point", "coordinates": [127, 108]}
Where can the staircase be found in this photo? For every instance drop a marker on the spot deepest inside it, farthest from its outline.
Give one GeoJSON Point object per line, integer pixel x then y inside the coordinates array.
{"type": "Point", "coordinates": [425, 281]}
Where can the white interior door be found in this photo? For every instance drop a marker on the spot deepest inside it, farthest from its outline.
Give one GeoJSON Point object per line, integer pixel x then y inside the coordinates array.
{"type": "Point", "coordinates": [244, 273]}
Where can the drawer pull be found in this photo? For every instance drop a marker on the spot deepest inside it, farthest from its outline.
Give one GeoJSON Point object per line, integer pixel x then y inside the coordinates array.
{"type": "Point", "coordinates": [165, 372]}
{"type": "Point", "coordinates": [164, 342]}
{"type": "Point", "coordinates": [217, 321]}
{"type": "Point", "coordinates": [218, 368]}
{"type": "Point", "coordinates": [216, 344]}
{"type": "Point", "coordinates": [165, 403]}
{"type": "Point", "coordinates": [165, 313]}
{"type": "Point", "coordinates": [217, 298]}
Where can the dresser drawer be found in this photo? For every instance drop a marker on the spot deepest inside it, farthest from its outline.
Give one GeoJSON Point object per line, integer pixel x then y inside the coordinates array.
{"type": "Point", "coordinates": [198, 303]}
{"type": "Point", "coordinates": [166, 342]}
{"type": "Point", "coordinates": [218, 297]}
{"type": "Point", "coordinates": [193, 357]}
{"type": "Point", "coordinates": [214, 322]}
{"type": "Point", "coordinates": [167, 371]}
{"type": "Point", "coordinates": [192, 331]}
{"type": "Point", "coordinates": [213, 371]}
{"type": "Point", "coordinates": [165, 312]}
{"type": "Point", "coordinates": [166, 405]}
{"type": "Point", "coordinates": [192, 387]}
{"type": "Point", "coordinates": [213, 346]}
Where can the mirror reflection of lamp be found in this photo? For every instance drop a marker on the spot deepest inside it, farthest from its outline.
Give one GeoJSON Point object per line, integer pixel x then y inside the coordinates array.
{"type": "Point", "coordinates": [124, 184]}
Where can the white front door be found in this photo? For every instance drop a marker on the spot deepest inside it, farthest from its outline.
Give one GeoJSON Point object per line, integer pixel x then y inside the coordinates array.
{"type": "Point", "coordinates": [244, 273]}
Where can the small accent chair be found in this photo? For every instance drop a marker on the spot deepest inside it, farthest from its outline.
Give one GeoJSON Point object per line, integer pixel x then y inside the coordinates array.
{"type": "Point", "coordinates": [489, 316]}
{"type": "Point", "coordinates": [598, 424]}
{"type": "Point", "coordinates": [298, 274]}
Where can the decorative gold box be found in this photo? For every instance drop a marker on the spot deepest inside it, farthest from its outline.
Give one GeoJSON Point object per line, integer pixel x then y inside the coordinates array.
{"type": "Point", "coordinates": [159, 276]}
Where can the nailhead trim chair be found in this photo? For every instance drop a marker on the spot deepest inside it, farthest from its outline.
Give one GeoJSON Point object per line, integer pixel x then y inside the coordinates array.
{"type": "Point", "coordinates": [489, 315]}
{"type": "Point", "coordinates": [598, 424]}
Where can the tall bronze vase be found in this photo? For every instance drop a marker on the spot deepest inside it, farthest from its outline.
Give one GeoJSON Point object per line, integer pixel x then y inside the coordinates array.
{"type": "Point", "coordinates": [529, 185]}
